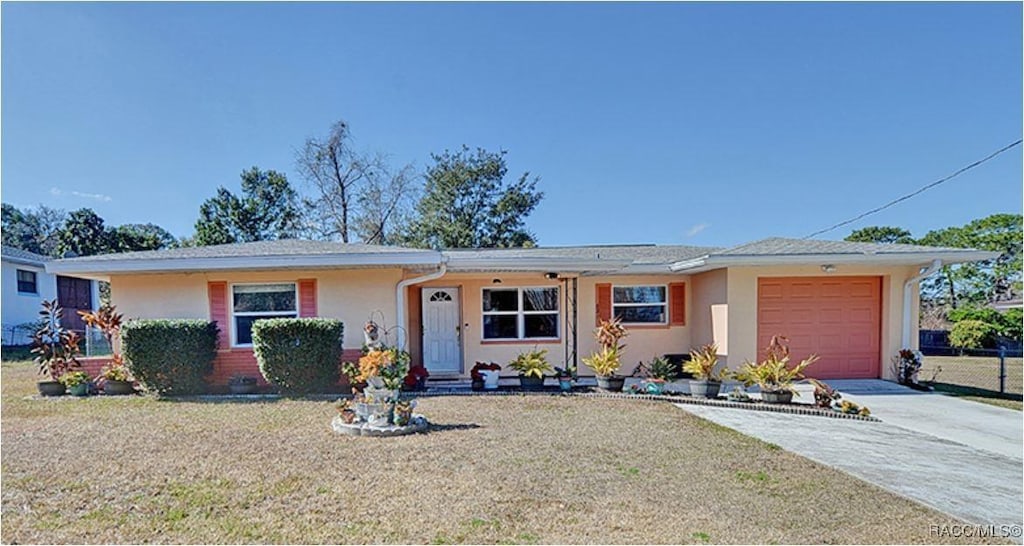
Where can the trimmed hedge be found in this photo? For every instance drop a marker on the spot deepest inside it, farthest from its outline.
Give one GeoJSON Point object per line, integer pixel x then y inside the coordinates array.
{"type": "Point", "coordinates": [300, 355]}
{"type": "Point", "coordinates": [170, 356]}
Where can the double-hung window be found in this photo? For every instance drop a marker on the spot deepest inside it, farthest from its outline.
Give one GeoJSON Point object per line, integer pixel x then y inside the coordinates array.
{"type": "Point", "coordinates": [252, 302]}
{"type": "Point", "coordinates": [27, 282]}
{"type": "Point", "coordinates": [520, 313]}
{"type": "Point", "coordinates": [640, 304]}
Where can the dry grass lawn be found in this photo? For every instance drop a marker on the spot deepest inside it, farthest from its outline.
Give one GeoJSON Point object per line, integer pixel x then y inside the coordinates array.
{"type": "Point", "coordinates": [494, 470]}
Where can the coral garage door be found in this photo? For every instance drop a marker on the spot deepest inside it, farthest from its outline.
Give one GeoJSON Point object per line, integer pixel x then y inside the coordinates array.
{"type": "Point", "coordinates": [838, 318]}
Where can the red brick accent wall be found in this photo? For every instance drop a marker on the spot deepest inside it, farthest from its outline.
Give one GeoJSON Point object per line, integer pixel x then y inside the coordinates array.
{"type": "Point", "coordinates": [218, 292]}
{"type": "Point", "coordinates": [93, 364]}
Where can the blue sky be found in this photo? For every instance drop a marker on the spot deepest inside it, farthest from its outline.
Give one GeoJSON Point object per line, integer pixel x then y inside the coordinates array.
{"type": "Point", "coordinates": [707, 124]}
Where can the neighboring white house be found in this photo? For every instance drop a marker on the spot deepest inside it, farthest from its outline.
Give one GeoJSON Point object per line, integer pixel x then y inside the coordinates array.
{"type": "Point", "coordinates": [26, 284]}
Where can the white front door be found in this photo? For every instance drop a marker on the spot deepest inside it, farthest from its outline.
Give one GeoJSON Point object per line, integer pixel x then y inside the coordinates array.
{"type": "Point", "coordinates": [442, 331]}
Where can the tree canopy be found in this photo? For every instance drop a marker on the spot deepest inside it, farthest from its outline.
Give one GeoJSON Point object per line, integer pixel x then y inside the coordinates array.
{"type": "Point", "coordinates": [33, 230]}
{"type": "Point", "coordinates": [880, 234]}
{"type": "Point", "coordinates": [467, 203]}
{"type": "Point", "coordinates": [266, 210]}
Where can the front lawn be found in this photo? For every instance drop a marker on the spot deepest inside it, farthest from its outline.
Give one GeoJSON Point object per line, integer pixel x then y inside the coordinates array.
{"type": "Point", "coordinates": [494, 469]}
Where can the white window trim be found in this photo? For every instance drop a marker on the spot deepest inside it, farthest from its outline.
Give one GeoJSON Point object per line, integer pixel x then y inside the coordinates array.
{"type": "Point", "coordinates": [17, 282]}
{"type": "Point", "coordinates": [664, 304]}
{"type": "Point", "coordinates": [520, 314]}
{"type": "Point", "coordinates": [233, 314]}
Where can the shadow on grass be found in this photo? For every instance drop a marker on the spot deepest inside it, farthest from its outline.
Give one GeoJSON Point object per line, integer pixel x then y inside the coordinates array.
{"type": "Point", "coordinates": [438, 427]}
{"type": "Point", "coordinates": [960, 390]}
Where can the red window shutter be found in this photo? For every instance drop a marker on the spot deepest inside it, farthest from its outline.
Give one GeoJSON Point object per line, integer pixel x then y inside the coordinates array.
{"type": "Point", "coordinates": [677, 303]}
{"type": "Point", "coordinates": [218, 294]}
{"type": "Point", "coordinates": [604, 302]}
{"type": "Point", "coordinates": [307, 297]}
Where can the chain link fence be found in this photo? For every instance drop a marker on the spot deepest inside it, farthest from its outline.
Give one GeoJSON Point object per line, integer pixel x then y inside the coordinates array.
{"type": "Point", "coordinates": [982, 372]}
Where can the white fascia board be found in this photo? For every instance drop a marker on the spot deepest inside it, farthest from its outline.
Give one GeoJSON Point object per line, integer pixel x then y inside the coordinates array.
{"type": "Point", "coordinates": [902, 258]}
{"type": "Point", "coordinates": [556, 265]}
{"type": "Point", "coordinates": [224, 263]}
{"type": "Point", "coordinates": [637, 269]}
{"type": "Point", "coordinates": [24, 261]}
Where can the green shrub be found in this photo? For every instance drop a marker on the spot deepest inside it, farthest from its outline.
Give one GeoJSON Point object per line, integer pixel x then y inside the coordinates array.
{"type": "Point", "coordinates": [170, 356]}
{"type": "Point", "coordinates": [972, 334]}
{"type": "Point", "coordinates": [1008, 323]}
{"type": "Point", "coordinates": [299, 355]}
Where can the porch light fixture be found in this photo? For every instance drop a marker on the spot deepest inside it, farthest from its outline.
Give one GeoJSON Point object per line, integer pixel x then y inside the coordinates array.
{"type": "Point", "coordinates": [496, 281]}
{"type": "Point", "coordinates": [551, 275]}
{"type": "Point", "coordinates": [828, 268]}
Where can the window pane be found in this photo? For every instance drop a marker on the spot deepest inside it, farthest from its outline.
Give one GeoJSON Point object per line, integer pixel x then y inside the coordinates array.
{"type": "Point", "coordinates": [500, 327]}
{"type": "Point", "coordinates": [26, 281]}
{"type": "Point", "coordinates": [540, 326]}
{"type": "Point", "coordinates": [639, 294]}
{"type": "Point", "coordinates": [266, 297]}
{"type": "Point", "coordinates": [501, 300]}
{"type": "Point", "coordinates": [641, 313]}
{"type": "Point", "coordinates": [540, 299]}
{"type": "Point", "coordinates": [243, 327]}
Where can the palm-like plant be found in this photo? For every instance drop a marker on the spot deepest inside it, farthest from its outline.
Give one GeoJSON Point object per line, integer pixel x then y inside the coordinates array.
{"type": "Point", "coordinates": [533, 363]}
{"type": "Point", "coordinates": [604, 362]}
{"type": "Point", "coordinates": [55, 347]}
{"type": "Point", "coordinates": [773, 374]}
{"type": "Point", "coordinates": [702, 363]}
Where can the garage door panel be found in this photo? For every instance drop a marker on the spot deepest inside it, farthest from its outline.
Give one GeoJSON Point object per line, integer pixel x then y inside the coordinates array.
{"type": "Point", "coordinates": [838, 318]}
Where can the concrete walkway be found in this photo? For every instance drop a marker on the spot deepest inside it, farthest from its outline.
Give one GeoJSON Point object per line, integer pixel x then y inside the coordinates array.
{"type": "Point", "coordinates": [943, 452]}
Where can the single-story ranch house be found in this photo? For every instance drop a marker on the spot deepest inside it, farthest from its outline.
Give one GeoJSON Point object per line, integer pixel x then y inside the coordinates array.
{"type": "Point", "coordinates": [854, 304]}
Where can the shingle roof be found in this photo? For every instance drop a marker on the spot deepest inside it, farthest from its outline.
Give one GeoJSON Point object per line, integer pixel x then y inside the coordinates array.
{"type": "Point", "coordinates": [23, 255]}
{"type": "Point", "coordinates": [778, 246]}
{"type": "Point", "coordinates": [639, 254]}
{"type": "Point", "coordinates": [284, 247]}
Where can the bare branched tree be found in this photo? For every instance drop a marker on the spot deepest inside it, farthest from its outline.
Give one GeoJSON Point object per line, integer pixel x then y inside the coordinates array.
{"type": "Point", "coordinates": [385, 203]}
{"type": "Point", "coordinates": [355, 194]}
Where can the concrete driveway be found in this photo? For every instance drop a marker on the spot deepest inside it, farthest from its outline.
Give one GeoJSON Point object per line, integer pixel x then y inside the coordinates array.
{"type": "Point", "coordinates": [960, 457]}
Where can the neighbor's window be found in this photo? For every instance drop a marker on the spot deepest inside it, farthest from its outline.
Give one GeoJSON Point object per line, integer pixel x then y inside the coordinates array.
{"type": "Point", "coordinates": [251, 302]}
{"type": "Point", "coordinates": [27, 282]}
{"type": "Point", "coordinates": [520, 313]}
{"type": "Point", "coordinates": [640, 304]}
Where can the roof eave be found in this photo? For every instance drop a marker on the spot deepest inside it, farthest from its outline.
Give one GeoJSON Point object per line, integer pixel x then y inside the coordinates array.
{"type": "Point", "coordinates": [228, 263]}
{"type": "Point", "coordinates": [886, 258]}
{"type": "Point", "coordinates": [24, 261]}
{"type": "Point", "coordinates": [556, 265]}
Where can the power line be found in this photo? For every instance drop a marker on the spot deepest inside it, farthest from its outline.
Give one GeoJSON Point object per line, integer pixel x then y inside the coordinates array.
{"type": "Point", "coordinates": [909, 195]}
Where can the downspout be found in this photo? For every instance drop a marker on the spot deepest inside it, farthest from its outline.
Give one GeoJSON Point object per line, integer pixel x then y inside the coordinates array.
{"type": "Point", "coordinates": [908, 300]}
{"type": "Point", "coordinates": [400, 298]}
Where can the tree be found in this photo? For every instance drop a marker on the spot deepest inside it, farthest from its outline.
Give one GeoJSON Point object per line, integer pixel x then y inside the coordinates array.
{"type": "Point", "coordinates": [356, 193]}
{"type": "Point", "coordinates": [881, 234]}
{"type": "Point", "coordinates": [131, 237]}
{"type": "Point", "coordinates": [385, 204]}
{"type": "Point", "coordinates": [83, 234]}
{"type": "Point", "coordinates": [468, 204]}
{"type": "Point", "coordinates": [267, 210]}
{"type": "Point", "coordinates": [33, 230]}
{"type": "Point", "coordinates": [980, 282]}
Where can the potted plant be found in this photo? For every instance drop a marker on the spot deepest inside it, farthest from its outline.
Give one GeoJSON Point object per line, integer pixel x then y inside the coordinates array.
{"type": "Point", "coordinates": [658, 372]}
{"type": "Point", "coordinates": [565, 378]}
{"type": "Point", "coordinates": [707, 381]}
{"type": "Point", "coordinates": [416, 379]}
{"type": "Point", "coordinates": [531, 367]}
{"type": "Point", "coordinates": [116, 379]}
{"type": "Point", "coordinates": [485, 376]}
{"type": "Point", "coordinates": [346, 409]}
{"type": "Point", "coordinates": [77, 383]}
{"type": "Point", "coordinates": [403, 412]}
{"type": "Point", "coordinates": [351, 370]}
{"type": "Point", "coordinates": [242, 384]}
{"type": "Point", "coordinates": [55, 348]}
{"type": "Point", "coordinates": [824, 395]}
{"type": "Point", "coordinates": [607, 361]}
{"type": "Point", "coordinates": [773, 375]}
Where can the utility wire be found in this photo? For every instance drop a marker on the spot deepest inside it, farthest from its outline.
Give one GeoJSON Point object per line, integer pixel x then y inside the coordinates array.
{"type": "Point", "coordinates": [909, 195]}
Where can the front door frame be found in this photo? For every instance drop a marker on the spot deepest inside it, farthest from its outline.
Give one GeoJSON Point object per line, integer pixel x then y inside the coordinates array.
{"type": "Point", "coordinates": [424, 302]}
